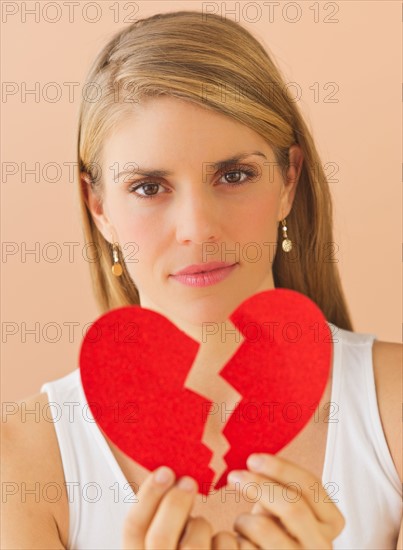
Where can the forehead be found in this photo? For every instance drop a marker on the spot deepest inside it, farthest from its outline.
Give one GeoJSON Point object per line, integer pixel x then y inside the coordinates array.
{"type": "Point", "coordinates": [167, 130]}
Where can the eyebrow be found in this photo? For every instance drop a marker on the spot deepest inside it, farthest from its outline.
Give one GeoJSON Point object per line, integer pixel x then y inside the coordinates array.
{"type": "Point", "coordinates": [158, 173]}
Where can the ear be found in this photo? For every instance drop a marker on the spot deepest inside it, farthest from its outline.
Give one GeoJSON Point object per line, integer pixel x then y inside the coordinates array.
{"type": "Point", "coordinates": [95, 206]}
{"type": "Point", "coordinates": [296, 159]}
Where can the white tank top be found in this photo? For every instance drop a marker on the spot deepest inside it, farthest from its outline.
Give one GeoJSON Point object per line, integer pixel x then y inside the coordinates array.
{"type": "Point", "coordinates": [359, 473]}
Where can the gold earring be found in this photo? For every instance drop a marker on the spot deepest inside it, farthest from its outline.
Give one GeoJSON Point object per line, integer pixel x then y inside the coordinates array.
{"type": "Point", "coordinates": [116, 268]}
{"type": "Point", "coordinates": [286, 244]}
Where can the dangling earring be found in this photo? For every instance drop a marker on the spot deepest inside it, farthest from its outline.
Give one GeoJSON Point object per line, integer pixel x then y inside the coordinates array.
{"type": "Point", "coordinates": [116, 268]}
{"type": "Point", "coordinates": [286, 244]}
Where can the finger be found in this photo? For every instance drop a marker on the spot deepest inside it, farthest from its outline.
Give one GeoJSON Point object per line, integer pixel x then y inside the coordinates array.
{"type": "Point", "coordinates": [142, 512]}
{"type": "Point", "coordinates": [170, 519]}
{"type": "Point", "coordinates": [198, 533]}
{"type": "Point", "coordinates": [224, 540]}
{"type": "Point", "coordinates": [264, 532]}
{"type": "Point", "coordinates": [291, 508]}
{"type": "Point", "coordinates": [264, 512]}
{"type": "Point", "coordinates": [286, 472]}
{"type": "Point", "coordinates": [259, 509]}
{"type": "Point", "coordinates": [245, 544]}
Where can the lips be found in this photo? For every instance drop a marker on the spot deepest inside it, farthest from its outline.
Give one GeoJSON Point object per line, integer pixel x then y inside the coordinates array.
{"type": "Point", "coordinates": [203, 268]}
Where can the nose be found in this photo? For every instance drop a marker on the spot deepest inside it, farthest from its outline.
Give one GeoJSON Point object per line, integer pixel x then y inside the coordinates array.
{"type": "Point", "coordinates": [197, 217]}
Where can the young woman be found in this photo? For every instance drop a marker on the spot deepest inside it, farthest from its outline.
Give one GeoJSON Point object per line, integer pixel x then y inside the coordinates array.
{"type": "Point", "coordinates": [188, 140]}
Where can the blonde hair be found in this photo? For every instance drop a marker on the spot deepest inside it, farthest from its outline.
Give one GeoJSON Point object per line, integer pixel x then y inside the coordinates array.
{"type": "Point", "coordinates": [218, 64]}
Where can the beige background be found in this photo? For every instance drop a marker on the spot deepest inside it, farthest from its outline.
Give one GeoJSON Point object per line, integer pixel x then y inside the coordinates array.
{"type": "Point", "coordinates": [360, 133]}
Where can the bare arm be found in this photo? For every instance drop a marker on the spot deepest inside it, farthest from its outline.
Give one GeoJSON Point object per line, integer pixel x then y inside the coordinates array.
{"type": "Point", "coordinates": [388, 372]}
{"type": "Point", "coordinates": [26, 464]}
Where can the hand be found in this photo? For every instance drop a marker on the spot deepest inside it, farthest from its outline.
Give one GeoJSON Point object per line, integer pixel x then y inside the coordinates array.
{"type": "Point", "coordinates": [160, 518]}
{"type": "Point", "coordinates": [296, 520]}
{"type": "Point", "coordinates": [161, 514]}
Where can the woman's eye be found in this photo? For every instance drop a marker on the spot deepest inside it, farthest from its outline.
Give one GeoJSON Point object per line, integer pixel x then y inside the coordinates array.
{"type": "Point", "coordinates": [145, 187]}
{"type": "Point", "coordinates": [231, 178]}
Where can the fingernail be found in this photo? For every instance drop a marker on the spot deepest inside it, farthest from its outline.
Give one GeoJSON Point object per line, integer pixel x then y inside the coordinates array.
{"type": "Point", "coordinates": [187, 484]}
{"type": "Point", "coordinates": [235, 476]}
{"type": "Point", "coordinates": [163, 475]}
{"type": "Point", "coordinates": [255, 462]}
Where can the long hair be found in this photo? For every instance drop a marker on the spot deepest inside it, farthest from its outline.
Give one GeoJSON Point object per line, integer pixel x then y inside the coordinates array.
{"type": "Point", "coordinates": [217, 64]}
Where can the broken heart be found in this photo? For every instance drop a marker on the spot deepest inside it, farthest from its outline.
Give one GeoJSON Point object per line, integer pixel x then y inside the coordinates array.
{"type": "Point", "coordinates": [134, 364]}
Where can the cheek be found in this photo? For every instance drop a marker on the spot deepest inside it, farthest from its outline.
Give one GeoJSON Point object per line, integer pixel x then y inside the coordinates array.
{"type": "Point", "coordinates": [130, 223]}
{"type": "Point", "coordinates": [259, 218]}
{"type": "Point", "coordinates": [140, 240]}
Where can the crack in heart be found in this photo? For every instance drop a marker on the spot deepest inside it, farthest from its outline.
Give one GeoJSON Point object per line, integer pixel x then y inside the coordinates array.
{"type": "Point", "coordinates": [222, 393]}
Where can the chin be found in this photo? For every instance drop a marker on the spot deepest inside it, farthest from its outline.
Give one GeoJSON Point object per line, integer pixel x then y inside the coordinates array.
{"type": "Point", "coordinates": [212, 312]}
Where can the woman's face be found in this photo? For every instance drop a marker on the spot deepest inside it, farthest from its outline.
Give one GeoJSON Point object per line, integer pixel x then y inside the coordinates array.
{"type": "Point", "coordinates": [197, 213]}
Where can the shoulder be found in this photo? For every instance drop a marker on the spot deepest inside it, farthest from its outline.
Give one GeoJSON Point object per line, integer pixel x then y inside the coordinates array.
{"type": "Point", "coordinates": [28, 425]}
{"type": "Point", "coordinates": [388, 373]}
{"type": "Point", "coordinates": [32, 467]}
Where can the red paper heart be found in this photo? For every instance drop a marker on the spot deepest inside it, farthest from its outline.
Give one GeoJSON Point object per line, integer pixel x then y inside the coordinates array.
{"type": "Point", "coordinates": [134, 363]}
